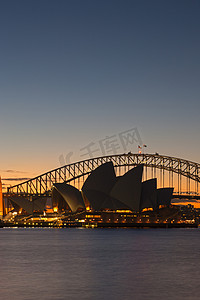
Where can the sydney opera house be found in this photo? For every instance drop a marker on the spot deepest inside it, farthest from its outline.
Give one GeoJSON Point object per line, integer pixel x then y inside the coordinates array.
{"type": "Point", "coordinates": [103, 190]}
{"type": "Point", "coordinates": [104, 198]}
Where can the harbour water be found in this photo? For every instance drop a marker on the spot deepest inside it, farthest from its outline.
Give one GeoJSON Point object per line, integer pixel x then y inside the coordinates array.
{"type": "Point", "coordinates": [98, 264]}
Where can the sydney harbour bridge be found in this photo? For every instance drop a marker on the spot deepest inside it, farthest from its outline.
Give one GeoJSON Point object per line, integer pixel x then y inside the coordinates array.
{"type": "Point", "coordinates": [179, 173]}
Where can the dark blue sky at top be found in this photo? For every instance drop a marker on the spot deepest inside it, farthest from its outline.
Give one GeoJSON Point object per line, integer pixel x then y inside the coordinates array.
{"type": "Point", "coordinates": [72, 72]}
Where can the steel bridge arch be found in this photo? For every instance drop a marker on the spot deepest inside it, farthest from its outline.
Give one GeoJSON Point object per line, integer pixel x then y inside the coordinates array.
{"type": "Point", "coordinates": [42, 184]}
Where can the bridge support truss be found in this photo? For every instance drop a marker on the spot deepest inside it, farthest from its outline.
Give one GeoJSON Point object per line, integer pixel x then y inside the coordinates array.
{"type": "Point", "coordinates": [182, 174]}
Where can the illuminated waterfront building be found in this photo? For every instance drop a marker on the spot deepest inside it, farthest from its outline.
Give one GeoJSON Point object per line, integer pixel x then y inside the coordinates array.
{"type": "Point", "coordinates": [103, 190]}
{"type": "Point", "coordinates": [104, 198]}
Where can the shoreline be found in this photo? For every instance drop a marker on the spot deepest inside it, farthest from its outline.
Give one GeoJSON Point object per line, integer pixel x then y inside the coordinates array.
{"type": "Point", "coordinates": [98, 225]}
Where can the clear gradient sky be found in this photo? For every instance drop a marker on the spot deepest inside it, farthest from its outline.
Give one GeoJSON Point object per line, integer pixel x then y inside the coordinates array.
{"type": "Point", "coordinates": [75, 71]}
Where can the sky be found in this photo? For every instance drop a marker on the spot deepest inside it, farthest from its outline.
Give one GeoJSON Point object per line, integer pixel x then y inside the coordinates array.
{"type": "Point", "coordinates": [74, 72]}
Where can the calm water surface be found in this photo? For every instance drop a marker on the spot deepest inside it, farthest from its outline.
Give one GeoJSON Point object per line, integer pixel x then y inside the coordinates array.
{"type": "Point", "coordinates": [99, 264]}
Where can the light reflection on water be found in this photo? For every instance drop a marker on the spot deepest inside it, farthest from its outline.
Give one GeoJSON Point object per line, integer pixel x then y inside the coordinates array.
{"type": "Point", "coordinates": [99, 264]}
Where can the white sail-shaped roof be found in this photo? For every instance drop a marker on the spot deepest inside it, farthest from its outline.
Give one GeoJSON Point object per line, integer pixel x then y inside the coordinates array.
{"type": "Point", "coordinates": [164, 196]}
{"type": "Point", "coordinates": [128, 188]}
{"type": "Point", "coordinates": [71, 195]}
{"type": "Point", "coordinates": [149, 194]}
{"type": "Point", "coordinates": [101, 179]}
